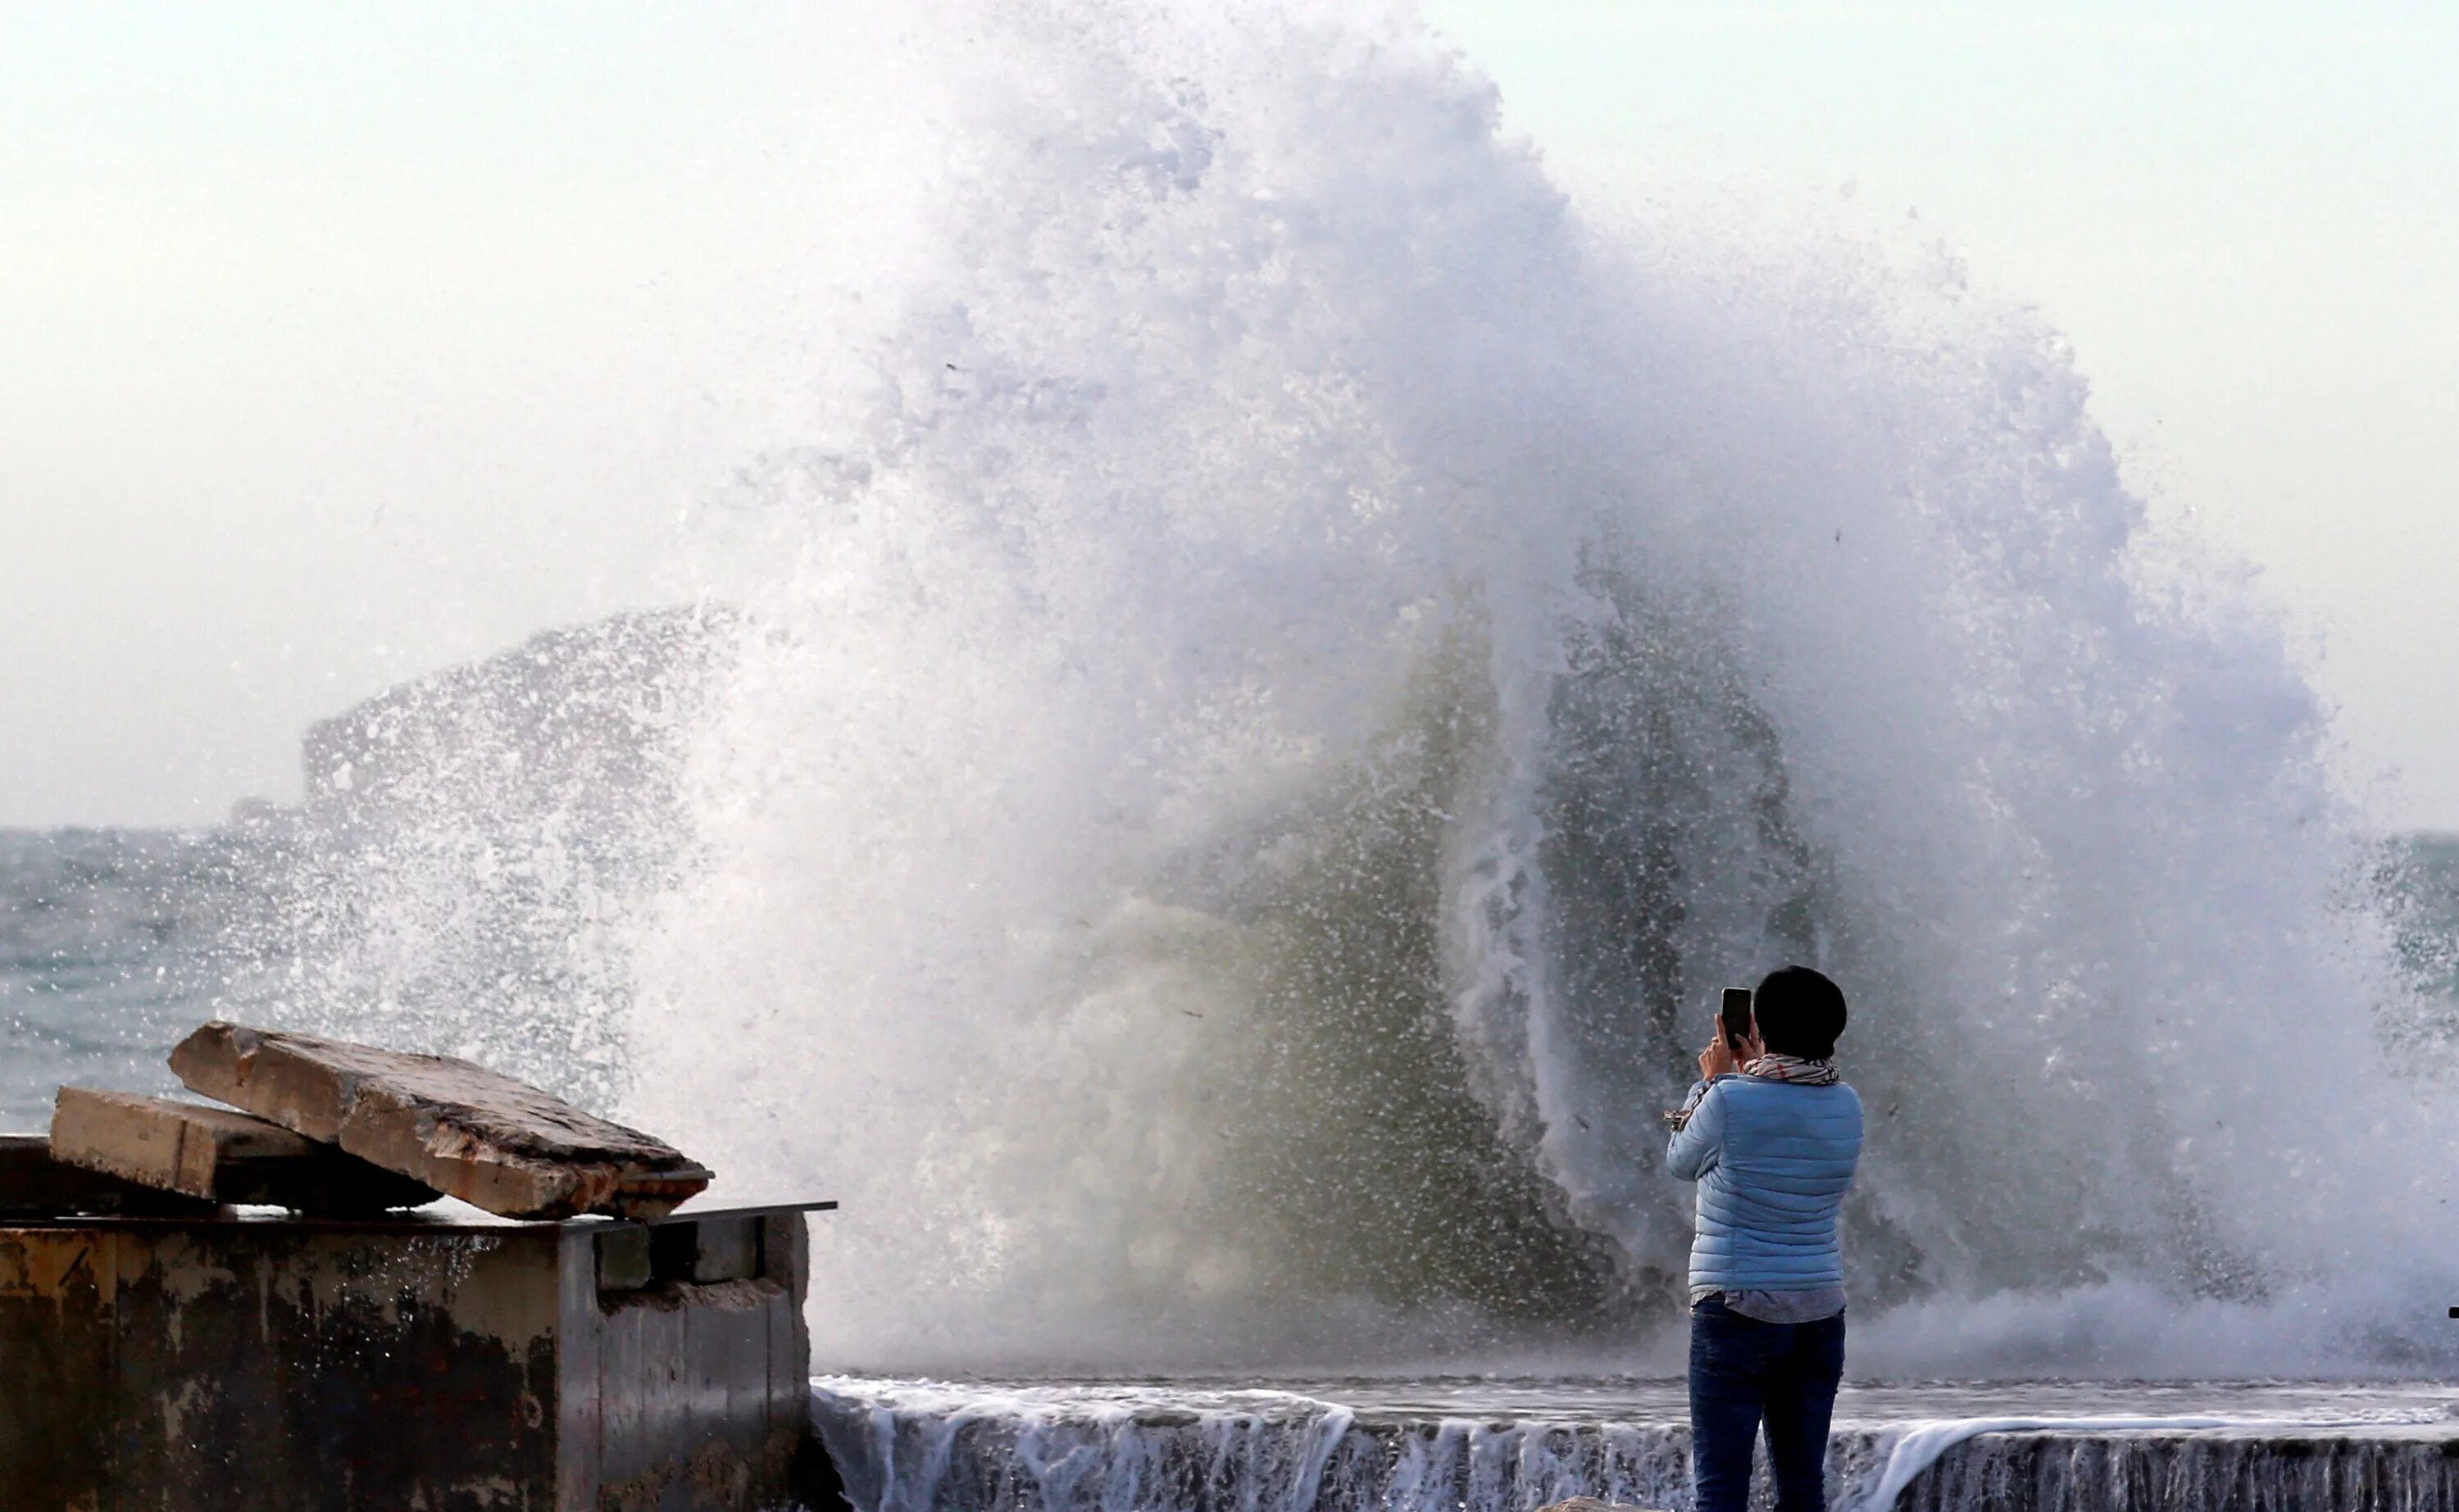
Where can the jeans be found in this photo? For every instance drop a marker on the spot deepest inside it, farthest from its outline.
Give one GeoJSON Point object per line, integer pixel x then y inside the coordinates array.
{"type": "Point", "coordinates": [1743, 1370]}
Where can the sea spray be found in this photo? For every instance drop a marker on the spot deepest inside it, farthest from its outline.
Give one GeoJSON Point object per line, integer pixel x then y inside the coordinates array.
{"type": "Point", "coordinates": [1296, 661]}
{"type": "Point", "coordinates": [475, 850]}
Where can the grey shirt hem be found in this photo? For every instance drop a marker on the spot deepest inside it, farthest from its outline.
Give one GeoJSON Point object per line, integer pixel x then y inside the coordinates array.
{"type": "Point", "coordinates": [1808, 1306]}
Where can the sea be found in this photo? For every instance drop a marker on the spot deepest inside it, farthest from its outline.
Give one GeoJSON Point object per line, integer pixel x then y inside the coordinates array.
{"type": "Point", "coordinates": [114, 943]}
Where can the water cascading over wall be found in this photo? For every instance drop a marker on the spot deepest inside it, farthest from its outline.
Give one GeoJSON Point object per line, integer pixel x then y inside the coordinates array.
{"type": "Point", "coordinates": [1299, 658]}
{"type": "Point", "coordinates": [1081, 1447]}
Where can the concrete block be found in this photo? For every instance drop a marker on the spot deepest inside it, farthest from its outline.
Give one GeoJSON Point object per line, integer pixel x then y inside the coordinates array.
{"type": "Point", "coordinates": [33, 1184]}
{"type": "Point", "coordinates": [220, 1155]}
{"type": "Point", "coordinates": [624, 1259]}
{"type": "Point", "coordinates": [709, 1249]}
{"type": "Point", "coordinates": [497, 1143]}
{"type": "Point", "coordinates": [786, 1243]}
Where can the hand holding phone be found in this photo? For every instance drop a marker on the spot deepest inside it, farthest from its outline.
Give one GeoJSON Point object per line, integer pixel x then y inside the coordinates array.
{"type": "Point", "coordinates": [1734, 1017]}
{"type": "Point", "coordinates": [1733, 1040]}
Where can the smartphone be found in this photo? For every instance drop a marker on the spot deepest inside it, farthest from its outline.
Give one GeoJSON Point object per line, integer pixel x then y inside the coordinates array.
{"type": "Point", "coordinates": [1735, 1014]}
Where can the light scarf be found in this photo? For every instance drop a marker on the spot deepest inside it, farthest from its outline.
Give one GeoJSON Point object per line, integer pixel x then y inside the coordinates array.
{"type": "Point", "coordinates": [1773, 1067]}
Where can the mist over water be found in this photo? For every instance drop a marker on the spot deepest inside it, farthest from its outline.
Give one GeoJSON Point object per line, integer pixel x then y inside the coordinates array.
{"type": "Point", "coordinates": [1299, 658]}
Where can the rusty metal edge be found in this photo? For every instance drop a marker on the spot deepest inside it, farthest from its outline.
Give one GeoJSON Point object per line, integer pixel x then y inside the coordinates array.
{"type": "Point", "coordinates": [688, 1214]}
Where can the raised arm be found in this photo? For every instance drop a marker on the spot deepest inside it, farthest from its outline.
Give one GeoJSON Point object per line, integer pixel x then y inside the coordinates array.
{"type": "Point", "coordinates": [1696, 1144]}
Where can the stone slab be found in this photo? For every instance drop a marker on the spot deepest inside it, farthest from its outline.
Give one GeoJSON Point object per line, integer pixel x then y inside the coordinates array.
{"type": "Point", "coordinates": [497, 1143]}
{"type": "Point", "coordinates": [33, 1184]}
{"type": "Point", "coordinates": [220, 1155]}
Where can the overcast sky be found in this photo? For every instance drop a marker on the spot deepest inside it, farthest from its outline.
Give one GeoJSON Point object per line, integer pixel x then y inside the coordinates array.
{"type": "Point", "coordinates": [340, 343]}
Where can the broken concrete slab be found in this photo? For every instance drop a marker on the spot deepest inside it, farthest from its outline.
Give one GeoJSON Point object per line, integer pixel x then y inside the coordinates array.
{"type": "Point", "coordinates": [220, 1155]}
{"type": "Point", "coordinates": [497, 1143]}
{"type": "Point", "coordinates": [33, 1184]}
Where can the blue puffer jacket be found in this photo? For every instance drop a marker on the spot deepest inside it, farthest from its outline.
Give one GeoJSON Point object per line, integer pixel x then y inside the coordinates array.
{"type": "Point", "coordinates": [1773, 1160]}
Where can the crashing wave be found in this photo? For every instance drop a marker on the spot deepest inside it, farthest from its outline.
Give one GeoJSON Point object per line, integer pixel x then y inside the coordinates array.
{"type": "Point", "coordinates": [1299, 658]}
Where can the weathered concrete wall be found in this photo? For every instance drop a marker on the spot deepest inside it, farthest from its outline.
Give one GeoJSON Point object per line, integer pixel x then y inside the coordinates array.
{"type": "Point", "coordinates": [238, 1365]}
{"type": "Point", "coordinates": [723, 1430]}
{"type": "Point", "coordinates": [234, 1365]}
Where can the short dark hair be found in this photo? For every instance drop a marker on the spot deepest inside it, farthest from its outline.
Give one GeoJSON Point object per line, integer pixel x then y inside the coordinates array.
{"type": "Point", "coordinates": [1800, 1012]}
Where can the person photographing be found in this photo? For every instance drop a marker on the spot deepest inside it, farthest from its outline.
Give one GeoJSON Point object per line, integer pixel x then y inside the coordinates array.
{"type": "Point", "coordinates": [1772, 1134]}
